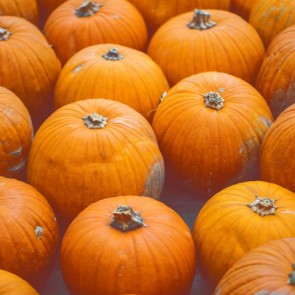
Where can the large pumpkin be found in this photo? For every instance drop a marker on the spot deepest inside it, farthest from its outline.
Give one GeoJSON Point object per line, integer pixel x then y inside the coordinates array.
{"type": "Point", "coordinates": [211, 40]}
{"type": "Point", "coordinates": [268, 269]}
{"type": "Point", "coordinates": [77, 24]}
{"type": "Point", "coordinates": [94, 149]}
{"type": "Point", "coordinates": [277, 163]}
{"type": "Point", "coordinates": [242, 7]}
{"type": "Point", "coordinates": [276, 78]}
{"type": "Point", "coordinates": [238, 219]}
{"type": "Point", "coordinates": [29, 67]}
{"type": "Point", "coordinates": [210, 127]}
{"type": "Point", "coordinates": [16, 134]}
{"type": "Point", "coordinates": [29, 231]}
{"type": "Point", "coordinates": [114, 72]}
{"type": "Point", "coordinates": [271, 17]}
{"type": "Point", "coordinates": [128, 245]}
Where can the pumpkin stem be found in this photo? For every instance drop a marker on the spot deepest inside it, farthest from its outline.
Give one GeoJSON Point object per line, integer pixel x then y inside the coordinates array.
{"type": "Point", "coordinates": [291, 279]}
{"type": "Point", "coordinates": [88, 8]}
{"type": "Point", "coordinates": [95, 121]}
{"type": "Point", "coordinates": [201, 20]}
{"type": "Point", "coordinates": [113, 54]}
{"type": "Point", "coordinates": [213, 100]}
{"type": "Point", "coordinates": [4, 34]}
{"type": "Point", "coordinates": [263, 206]}
{"type": "Point", "coordinates": [126, 219]}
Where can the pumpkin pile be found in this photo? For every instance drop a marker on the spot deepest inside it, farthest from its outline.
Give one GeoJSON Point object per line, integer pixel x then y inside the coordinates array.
{"type": "Point", "coordinates": [115, 115]}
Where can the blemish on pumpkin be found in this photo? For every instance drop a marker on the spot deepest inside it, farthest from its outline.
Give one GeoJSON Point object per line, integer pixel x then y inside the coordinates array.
{"type": "Point", "coordinates": [77, 68]}
{"type": "Point", "coordinates": [18, 152]}
{"type": "Point", "coordinates": [18, 166]}
{"type": "Point", "coordinates": [38, 231]}
{"type": "Point", "coordinates": [287, 212]}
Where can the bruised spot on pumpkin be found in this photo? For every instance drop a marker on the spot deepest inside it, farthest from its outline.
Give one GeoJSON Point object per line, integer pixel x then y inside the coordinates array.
{"type": "Point", "coordinates": [38, 231]}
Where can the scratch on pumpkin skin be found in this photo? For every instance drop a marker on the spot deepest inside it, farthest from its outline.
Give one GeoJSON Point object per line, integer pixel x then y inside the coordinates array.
{"type": "Point", "coordinates": [17, 167]}
{"type": "Point", "coordinates": [288, 212]}
{"type": "Point", "coordinates": [18, 152]}
{"type": "Point", "coordinates": [38, 231]}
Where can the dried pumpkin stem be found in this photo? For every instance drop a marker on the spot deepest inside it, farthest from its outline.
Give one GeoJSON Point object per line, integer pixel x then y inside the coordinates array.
{"type": "Point", "coordinates": [113, 54]}
{"type": "Point", "coordinates": [201, 20]}
{"type": "Point", "coordinates": [95, 121]}
{"type": "Point", "coordinates": [88, 8]}
{"type": "Point", "coordinates": [263, 206]}
{"type": "Point", "coordinates": [125, 219]}
{"type": "Point", "coordinates": [4, 34]}
{"type": "Point", "coordinates": [213, 100]}
{"type": "Point", "coordinates": [291, 279]}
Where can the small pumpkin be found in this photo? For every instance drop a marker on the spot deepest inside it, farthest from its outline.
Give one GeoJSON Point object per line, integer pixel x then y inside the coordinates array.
{"type": "Point", "coordinates": [267, 269]}
{"type": "Point", "coordinates": [86, 23]}
{"type": "Point", "coordinates": [136, 79]}
{"type": "Point", "coordinates": [207, 40]}
{"type": "Point", "coordinates": [238, 219]}
{"type": "Point", "coordinates": [29, 231]}
{"type": "Point", "coordinates": [94, 149]}
{"type": "Point", "coordinates": [16, 134]}
{"type": "Point", "coordinates": [276, 78]}
{"type": "Point", "coordinates": [209, 128]}
{"type": "Point", "coordinates": [130, 245]}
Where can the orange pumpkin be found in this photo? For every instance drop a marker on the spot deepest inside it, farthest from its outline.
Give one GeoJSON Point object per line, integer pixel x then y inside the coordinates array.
{"type": "Point", "coordinates": [271, 17]}
{"type": "Point", "coordinates": [85, 23]}
{"type": "Point", "coordinates": [268, 269]}
{"type": "Point", "coordinates": [210, 127]}
{"type": "Point", "coordinates": [16, 134]}
{"type": "Point", "coordinates": [11, 284]}
{"type": "Point", "coordinates": [238, 219]}
{"type": "Point", "coordinates": [276, 78]}
{"type": "Point", "coordinates": [94, 149]}
{"type": "Point", "coordinates": [29, 231]}
{"type": "Point", "coordinates": [136, 79]}
{"type": "Point", "coordinates": [277, 163]}
{"type": "Point", "coordinates": [211, 40]}
{"type": "Point", "coordinates": [128, 245]}
{"type": "Point", "coordinates": [242, 7]}
{"type": "Point", "coordinates": [29, 67]}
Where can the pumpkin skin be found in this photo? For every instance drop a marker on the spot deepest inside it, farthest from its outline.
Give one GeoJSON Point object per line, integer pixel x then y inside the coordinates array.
{"type": "Point", "coordinates": [161, 250]}
{"type": "Point", "coordinates": [242, 7]}
{"type": "Point", "coordinates": [29, 230]}
{"type": "Point", "coordinates": [11, 284]}
{"type": "Point", "coordinates": [276, 78]}
{"type": "Point", "coordinates": [16, 134]}
{"type": "Point", "coordinates": [212, 148]}
{"type": "Point", "coordinates": [271, 17]}
{"type": "Point", "coordinates": [139, 81]}
{"type": "Point", "coordinates": [115, 21]}
{"type": "Point", "coordinates": [231, 46]}
{"type": "Point", "coordinates": [276, 156]}
{"type": "Point", "coordinates": [29, 66]}
{"type": "Point", "coordinates": [122, 157]}
{"type": "Point", "coordinates": [264, 270]}
{"type": "Point", "coordinates": [226, 228]}
{"type": "Point", "coordinates": [157, 12]}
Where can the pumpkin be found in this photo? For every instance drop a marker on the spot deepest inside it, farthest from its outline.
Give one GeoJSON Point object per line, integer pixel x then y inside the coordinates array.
{"type": "Point", "coordinates": [29, 231]}
{"type": "Point", "coordinates": [103, 147]}
{"type": "Point", "coordinates": [128, 245]}
{"type": "Point", "coordinates": [276, 78]}
{"type": "Point", "coordinates": [271, 17]}
{"type": "Point", "coordinates": [88, 23]}
{"type": "Point", "coordinates": [29, 66]}
{"type": "Point", "coordinates": [242, 7]}
{"type": "Point", "coordinates": [268, 269]}
{"type": "Point", "coordinates": [209, 128]}
{"type": "Point", "coordinates": [16, 134]}
{"type": "Point", "coordinates": [27, 9]}
{"type": "Point", "coordinates": [136, 79]}
{"type": "Point", "coordinates": [210, 40]}
{"type": "Point", "coordinates": [238, 219]}
{"type": "Point", "coordinates": [11, 284]}
{"type": "Point", "coordinates": [157, 12]}
{"type": "Point", "coordinates": [277, 163]}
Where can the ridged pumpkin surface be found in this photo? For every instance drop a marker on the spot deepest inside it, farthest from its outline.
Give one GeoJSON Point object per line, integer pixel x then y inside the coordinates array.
{"type": "Point", "coordinates": [113, 72]}
{"type": "Point", "coordinates": [157, 258]}
{"type": "Point", "coordinates": [16, 134]}
{"type": "Point", "coordinates": [242, 7]}
{"type": "Point", "coordinates": [234, 221]}
{"type": "Point", "coordinates": [210, 147]}
{"type": "Point", "coordinates": [85, 165]}
{"type": "Point", "coordinates": [267, 269]}
{"type": "Point", "coordinates": [276, 78]}
{"type": "Point", "coordinates": [231, 46]}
